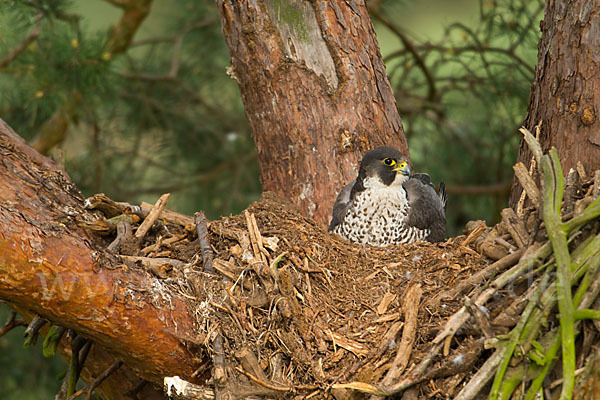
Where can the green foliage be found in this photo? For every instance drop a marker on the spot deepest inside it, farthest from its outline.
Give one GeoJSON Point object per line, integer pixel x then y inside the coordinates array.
{"type": "Point", "coordinates": [52, 340]}
{"type": "Point", "coordinates": [17, 381]}
{"type": "Point", "coordinates": [162, 116]}
{"type": "Point", "coordinates": [462, 98]}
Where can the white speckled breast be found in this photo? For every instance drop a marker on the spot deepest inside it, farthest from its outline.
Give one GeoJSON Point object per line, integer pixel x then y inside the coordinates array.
{"type": "Point", "coordinates": [378, 217]}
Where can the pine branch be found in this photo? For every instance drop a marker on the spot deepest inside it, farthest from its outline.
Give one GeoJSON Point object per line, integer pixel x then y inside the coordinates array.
{"type": "Point", "coordinates": [21, 47]}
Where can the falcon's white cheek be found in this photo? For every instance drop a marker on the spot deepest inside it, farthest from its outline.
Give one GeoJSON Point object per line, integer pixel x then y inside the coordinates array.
{"type": "Point", "coordinates": [373, 182]}
{"type": "Point", "coordinates": [399, 180]}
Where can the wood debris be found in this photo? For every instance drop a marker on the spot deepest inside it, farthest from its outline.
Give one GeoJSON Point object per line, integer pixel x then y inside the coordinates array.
{"type": "Point", "coordinates": [287, 309]}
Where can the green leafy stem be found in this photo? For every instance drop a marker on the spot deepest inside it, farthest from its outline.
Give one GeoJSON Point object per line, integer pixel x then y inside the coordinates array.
{"type": "Point", "coordinates": [579, 267]}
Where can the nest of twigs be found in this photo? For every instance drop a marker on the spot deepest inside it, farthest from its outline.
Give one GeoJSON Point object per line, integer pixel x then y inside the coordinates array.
{"type": "Point", "coordinates": [286, 309]}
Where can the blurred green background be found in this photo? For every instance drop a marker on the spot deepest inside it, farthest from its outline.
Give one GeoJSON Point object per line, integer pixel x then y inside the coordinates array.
{"type": "Point", "coordinates": [461, 71]}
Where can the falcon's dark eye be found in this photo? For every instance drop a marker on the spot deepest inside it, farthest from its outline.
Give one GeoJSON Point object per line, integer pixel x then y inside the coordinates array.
{"type": "Point", "coordinates": [390, 162]}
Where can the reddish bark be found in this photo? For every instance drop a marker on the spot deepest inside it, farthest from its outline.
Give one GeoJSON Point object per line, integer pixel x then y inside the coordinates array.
{"type": "Point", "coordinates": [315, 91]}
{"type": "Point", "coordinates": [50, 267]}
{"type": "Point", "coordinates": [565, 95]}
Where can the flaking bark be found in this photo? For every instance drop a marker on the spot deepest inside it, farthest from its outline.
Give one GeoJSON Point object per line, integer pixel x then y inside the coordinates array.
{"type": "Point", "coordinates": [51, 267]}
{"type": "Point", "coordinates": [315, 91]}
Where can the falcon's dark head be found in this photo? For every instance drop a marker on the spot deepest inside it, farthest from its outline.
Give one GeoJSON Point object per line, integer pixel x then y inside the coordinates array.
{"type": "Point", "coordinates": [383, 166]}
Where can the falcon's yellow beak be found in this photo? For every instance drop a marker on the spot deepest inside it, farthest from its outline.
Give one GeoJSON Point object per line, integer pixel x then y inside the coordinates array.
{"type": "Point", "coordinates": [403, 168]}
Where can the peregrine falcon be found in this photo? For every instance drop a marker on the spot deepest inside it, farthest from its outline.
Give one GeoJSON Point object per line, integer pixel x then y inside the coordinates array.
{"type": "Point", "coordinates": [387, 204]}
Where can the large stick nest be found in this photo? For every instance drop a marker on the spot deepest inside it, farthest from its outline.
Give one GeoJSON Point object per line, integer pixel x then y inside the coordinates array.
{"type": "Point", "coordinates": [284, 308]}
{"type": "Point", "coordinates": [329, 311]}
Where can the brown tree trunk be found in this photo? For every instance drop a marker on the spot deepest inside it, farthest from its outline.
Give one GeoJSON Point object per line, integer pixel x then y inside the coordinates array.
{"type": "Point", "coordinates": [49, 266]}
{"type": "Point", "coordinates": [315, 91]}
{"type": "Point", "coordinates": [565, 96]}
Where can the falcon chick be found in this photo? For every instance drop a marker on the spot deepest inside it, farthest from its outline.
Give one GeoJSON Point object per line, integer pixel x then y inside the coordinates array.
{"type": "Point", "coordinates": [387, 204]}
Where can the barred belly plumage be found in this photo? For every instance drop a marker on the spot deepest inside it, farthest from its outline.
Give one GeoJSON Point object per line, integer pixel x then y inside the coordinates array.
{"type": "Point", "coordinates": [379, 218]}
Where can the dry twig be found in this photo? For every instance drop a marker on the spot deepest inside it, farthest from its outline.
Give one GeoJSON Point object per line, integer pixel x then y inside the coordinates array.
{"type": "Point", "coordinates": [11, 322]}
{"type": "Point", "coordinates": [96, 382]}
{"type": "Point", "coordinates": [527, 183]}
{"type": "Point", "coordinates": [152, 217]}
{"type": "Point", "coordinates": [202, 229]}
{"type": "Point", "coordinates": [410, 305]}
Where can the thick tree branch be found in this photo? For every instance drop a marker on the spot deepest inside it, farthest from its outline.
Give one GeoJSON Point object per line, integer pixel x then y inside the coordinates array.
{"type": "Point", "coordinates": [51, 267]}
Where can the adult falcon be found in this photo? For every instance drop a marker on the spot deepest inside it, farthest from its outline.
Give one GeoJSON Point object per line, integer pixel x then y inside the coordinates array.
{"type": "Point", "coordinates": [387, 204]}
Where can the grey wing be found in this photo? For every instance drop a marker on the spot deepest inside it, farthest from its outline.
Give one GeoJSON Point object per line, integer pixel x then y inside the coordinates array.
{"type": "Point", "coordinates": [341, 205]}
{"type": "Point", "coordinates": [427, 208]}
{"type": "Point", "coordinates": [426, 179]}
{"type": "Point", "coordinates": [443, 195]}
